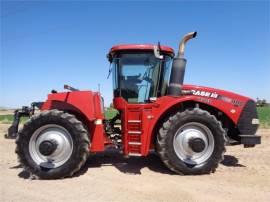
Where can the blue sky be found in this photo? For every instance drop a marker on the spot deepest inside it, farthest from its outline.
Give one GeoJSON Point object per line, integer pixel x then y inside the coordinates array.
{"type": "Point", "coordinates": [45, 45]}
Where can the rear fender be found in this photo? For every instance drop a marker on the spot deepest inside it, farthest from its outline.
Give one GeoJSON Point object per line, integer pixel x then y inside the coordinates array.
{"type": "Point", "coordinates": [87, 107]}
{"type": "Point", "coordinates": [86, 102]}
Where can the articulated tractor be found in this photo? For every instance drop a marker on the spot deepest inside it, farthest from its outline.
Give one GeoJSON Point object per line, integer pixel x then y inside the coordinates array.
{"type": "Point", "coordinates": [188, 126]}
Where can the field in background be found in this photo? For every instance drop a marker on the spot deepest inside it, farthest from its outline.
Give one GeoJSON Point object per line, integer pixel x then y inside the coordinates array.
{"type": "Point", "coordinates": [263, 112]}
{"type": "Point", "coordinates": [110, 113]}
{"type": "Point", "coordinates": [7, 118]}
{"type": "Point", "coordinates": [264, 116]}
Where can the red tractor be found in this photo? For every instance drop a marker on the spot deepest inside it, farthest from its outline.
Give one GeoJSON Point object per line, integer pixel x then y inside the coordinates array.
{"type": "Point", "coordinates": [187, 125]}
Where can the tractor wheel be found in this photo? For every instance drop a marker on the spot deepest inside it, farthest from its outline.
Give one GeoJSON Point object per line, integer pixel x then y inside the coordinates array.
{"type": "Point", "coordinates": [191, 142]}
{"type": "Point", "coordinates": [52, 144]}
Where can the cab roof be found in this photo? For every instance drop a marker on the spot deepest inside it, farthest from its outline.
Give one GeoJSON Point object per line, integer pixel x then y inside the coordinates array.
{"type": "Point", "coordinates": [140, 47]}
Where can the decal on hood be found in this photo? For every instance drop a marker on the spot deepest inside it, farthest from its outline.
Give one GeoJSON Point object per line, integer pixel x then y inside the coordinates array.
{"type": "Point", "coordinates": [205, 93]}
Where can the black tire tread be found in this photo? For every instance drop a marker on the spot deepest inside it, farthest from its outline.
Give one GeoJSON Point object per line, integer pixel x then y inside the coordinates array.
{"type": "Point", "coordinates": [83, 143]}
{"type": "Point", "coordinates": [163, 133]}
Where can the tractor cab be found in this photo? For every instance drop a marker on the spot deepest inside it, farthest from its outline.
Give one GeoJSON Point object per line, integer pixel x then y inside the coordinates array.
{"type": "Point", "coordinates": [140, 72]}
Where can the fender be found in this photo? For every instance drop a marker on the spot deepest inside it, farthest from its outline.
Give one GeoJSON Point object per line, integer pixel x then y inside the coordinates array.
{"type": "Point", "coordinates": [87, 103]}
{"type": "Point", "coordinates": [230, 104]}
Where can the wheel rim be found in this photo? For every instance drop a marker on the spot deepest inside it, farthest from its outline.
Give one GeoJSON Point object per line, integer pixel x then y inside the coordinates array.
{"type": "Point", "coordinates": [194, 143]}
{"type": "Point", "coordinates": [50, 146]}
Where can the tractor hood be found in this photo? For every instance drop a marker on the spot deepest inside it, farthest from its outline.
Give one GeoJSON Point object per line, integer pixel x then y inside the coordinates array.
{"type": "Point", "coordinates": [213, 93]}
{"type": "Point", "coordinates": [233, 105]}
{"type": "Point", "coordinates": [240, 109]}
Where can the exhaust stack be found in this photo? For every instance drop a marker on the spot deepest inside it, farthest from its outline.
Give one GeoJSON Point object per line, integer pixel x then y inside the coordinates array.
{"type": "Point", "coordinates": [178, 67]}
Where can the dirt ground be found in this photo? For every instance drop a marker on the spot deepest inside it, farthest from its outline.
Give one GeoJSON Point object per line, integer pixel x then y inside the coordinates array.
{"type": "Point", "coordinates": [244, 175]}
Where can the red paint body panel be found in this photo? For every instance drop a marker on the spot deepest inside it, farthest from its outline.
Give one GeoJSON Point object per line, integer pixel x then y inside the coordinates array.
{"type": "Point", "coordinates": [149, 114]}
{"type": "Point", "coordinates": [98, 138]}
{"type": "Point", "coordinates": [139, 120]}
{"type": "Point", "coordinates": [166, 49]}
{"type": "Point", "coordinates": [220, 104]}
{"type": "Point", "coordinates": [86, 103]}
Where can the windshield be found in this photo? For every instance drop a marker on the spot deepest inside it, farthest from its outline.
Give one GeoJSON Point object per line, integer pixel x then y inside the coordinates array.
{"type": "Point", "coordinates": [137, 76]}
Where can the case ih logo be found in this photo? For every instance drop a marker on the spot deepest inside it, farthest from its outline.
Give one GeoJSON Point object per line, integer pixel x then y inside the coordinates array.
{"type": "Point", "coordinates": [205, 94]}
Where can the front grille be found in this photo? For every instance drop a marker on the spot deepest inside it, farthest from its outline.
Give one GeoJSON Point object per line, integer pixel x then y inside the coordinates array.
{"type": "Point", "coordinates": [245, 125]}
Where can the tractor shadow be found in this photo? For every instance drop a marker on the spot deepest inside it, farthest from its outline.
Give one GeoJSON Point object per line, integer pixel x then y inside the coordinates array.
{"type": "Point", "coordinates": [231, 161]}
{"type": "Point", "coordinates": [132, 165]}
{"type": "Point", "coordinates": [23, 174]}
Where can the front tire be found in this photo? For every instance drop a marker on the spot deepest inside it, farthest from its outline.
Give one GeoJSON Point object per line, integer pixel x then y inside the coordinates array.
{"type": "Point", "coordinates": [52, 144]}
{"type": "Point", "coordinates": [191, 142]}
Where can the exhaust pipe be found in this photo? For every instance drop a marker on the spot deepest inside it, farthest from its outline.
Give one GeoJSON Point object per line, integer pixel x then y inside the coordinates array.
{"type": "Point", "coordinates": [178, 67]}
{"type": "Point", "coordinates": [183, 42]}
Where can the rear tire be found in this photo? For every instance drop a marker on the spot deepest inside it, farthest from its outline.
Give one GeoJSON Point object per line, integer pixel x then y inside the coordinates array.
{"type": "Point", "coordinates": [178, 150]}
{"type": "Point", "coordinates": [52, 144]}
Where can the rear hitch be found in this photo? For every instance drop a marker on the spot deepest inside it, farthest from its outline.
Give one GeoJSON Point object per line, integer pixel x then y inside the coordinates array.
{"type": "Point", "coordinates": [25, 111]}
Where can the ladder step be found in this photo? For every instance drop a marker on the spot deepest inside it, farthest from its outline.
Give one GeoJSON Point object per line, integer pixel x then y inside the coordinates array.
{"type": "Point", "coordinates": [134, 132]}
{"type": "Point", "coordinates": [134, 143]}
{"type": "Point", "coordinates": [134, 154]}
{"type": "Point", "coordinates": [134, 121]}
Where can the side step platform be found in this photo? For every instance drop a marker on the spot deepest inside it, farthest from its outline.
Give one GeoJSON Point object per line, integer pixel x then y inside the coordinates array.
{"type": "Point", "coordinates": [134, 140]}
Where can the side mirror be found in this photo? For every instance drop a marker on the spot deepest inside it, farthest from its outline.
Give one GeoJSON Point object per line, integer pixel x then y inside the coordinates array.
{"type": "Point", "coordinates": [109, 57]}
{"type": "Point", "coordinates": [157, 52]}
